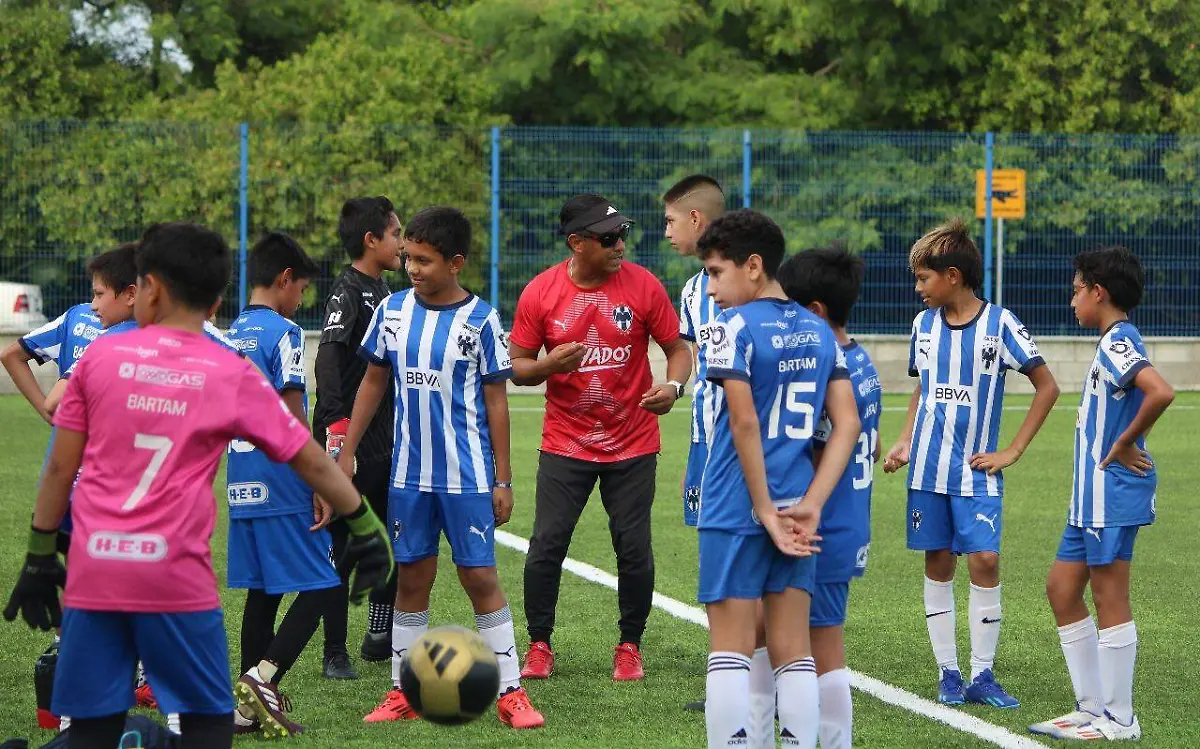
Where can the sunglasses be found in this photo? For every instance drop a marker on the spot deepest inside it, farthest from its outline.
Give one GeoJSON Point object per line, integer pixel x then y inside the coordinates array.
{"type": "Point", "coordinates": [609, 239]}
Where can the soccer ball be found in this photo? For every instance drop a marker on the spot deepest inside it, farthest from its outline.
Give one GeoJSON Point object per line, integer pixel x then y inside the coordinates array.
{"type": "Point", "coordinates": [450, 676]}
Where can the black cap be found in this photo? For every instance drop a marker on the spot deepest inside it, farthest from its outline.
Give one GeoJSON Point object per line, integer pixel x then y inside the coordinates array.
{"type": "Point", "coordinates": [592, 213]}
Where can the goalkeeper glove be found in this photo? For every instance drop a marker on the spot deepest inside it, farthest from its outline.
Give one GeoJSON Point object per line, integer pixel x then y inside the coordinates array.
{"type": "Point", "coordinates": [35, 595]}
{"type": "Point", "coordinates": [367, 551]}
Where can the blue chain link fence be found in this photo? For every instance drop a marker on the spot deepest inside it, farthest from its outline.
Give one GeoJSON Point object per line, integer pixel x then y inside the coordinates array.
{"type": "Point", "coordinates": [71, 190]}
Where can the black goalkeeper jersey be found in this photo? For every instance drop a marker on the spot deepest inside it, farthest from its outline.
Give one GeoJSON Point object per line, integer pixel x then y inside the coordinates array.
{"type": "Point", "coordinates": [339, 369]}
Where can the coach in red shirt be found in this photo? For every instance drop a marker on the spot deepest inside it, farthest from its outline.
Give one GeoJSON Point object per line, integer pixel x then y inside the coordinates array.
{"type": "Point", "coordinates": [595, 314]}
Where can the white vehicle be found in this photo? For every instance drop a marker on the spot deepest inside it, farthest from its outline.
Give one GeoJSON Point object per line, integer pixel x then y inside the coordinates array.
{"type": "Point", "coordinates": [20, 307]}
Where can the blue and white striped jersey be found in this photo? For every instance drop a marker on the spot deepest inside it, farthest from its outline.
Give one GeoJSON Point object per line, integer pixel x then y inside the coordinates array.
{"type": "Point", "coordinates": [441, 357]}
{"type": "Point", "coordinates": [962, 369]}
{"type": "Point", "coordinates": [212, 331]}
{"type": "Point", "coordinates": [63, 339]}
{"type": "Point", "coordinates": [788, 355]}
{"type": "Point", "coordinates": [1114, 496]}
{"type": "Point", "coordinates": [846, 518]}
{"type": "Point", "coordinates": [697, 313]}
{"type": "Point", "coordinates": [258, 486]}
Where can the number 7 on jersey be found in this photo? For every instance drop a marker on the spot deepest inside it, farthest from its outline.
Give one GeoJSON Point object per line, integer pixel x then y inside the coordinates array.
{"type": "Point", "coordinates": [162, 448]}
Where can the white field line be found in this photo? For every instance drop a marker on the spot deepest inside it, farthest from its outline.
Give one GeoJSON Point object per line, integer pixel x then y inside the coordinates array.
{"type": "Point", "coordinates": [882, 691]}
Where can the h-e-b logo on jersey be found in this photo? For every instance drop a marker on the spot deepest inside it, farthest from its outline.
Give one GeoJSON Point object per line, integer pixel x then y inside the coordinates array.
{"type": "Point", "coordinates": [623, 318]}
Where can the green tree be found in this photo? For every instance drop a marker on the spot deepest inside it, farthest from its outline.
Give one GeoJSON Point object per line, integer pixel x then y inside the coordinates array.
{"type": "Point", "coordinates": [47, 71]}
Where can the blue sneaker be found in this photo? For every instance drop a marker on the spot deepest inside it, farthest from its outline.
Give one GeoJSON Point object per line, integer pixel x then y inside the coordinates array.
{"type": "Point", "coordinates": [950, 688]}
{"type": "Point", "coordinates": [985, 690]}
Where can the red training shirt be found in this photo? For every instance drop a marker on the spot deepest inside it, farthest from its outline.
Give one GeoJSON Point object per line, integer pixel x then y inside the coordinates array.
{"type": "Point", "coordinates": [593, 413]}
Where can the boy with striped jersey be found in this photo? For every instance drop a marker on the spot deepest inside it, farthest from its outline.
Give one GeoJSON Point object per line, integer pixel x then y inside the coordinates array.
{"type": "Point", "coordinates": [689, 207]}
{"type": "Point", "coordinates": [961, 349]}
{"type": "Point", "coordinates": [827, 282]}
{"type": "Point", "coordinates": [1112, 496]}
{"type": "Point", "coordinates": [451, 473]}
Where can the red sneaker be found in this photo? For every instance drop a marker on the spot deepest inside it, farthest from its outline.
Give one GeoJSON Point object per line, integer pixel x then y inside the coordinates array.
{"type": "Point", "coordinates": [145, 698]}
{"type": "Point", "coordinates": [539, 662]}
{"type": "Point", "coordinates": [514, 709]}
{"type": "Point", "coordinates": [394, 707]}
{"type": "Point", "coordinates": [627, 663]}
{"type": "Point", "coordinates": [46, 719]}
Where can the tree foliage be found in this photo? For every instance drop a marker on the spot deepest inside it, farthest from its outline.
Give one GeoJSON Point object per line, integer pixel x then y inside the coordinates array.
{"type": "Point", "coordinates": [372, 97]}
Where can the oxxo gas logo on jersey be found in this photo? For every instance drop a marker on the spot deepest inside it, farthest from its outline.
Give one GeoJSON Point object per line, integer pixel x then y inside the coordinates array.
{"type": "Point", "coordinates": [152, 375]}
{"type": "Point", "coordinates": [599, 358]}
{"type": "Point", "coordinates": [85, 331]}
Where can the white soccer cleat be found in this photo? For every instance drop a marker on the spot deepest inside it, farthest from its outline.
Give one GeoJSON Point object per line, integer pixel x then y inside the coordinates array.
{"type": "Point", "coordinates": [1107, 729]}
{"type": "Point", "coordinates": [1063, 727]}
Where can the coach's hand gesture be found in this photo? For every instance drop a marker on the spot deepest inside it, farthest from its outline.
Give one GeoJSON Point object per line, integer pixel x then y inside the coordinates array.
{"type": "Point", "coordinates": [566, 357]}
{"type": "Point", "coordinates": [659, 399]}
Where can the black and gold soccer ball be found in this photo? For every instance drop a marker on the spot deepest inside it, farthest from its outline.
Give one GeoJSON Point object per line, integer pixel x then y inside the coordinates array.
{"type": "Point", "coordinates": [450, 676]}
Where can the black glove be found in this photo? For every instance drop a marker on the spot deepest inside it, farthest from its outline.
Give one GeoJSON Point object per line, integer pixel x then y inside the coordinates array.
{"type": "Point", "coordinates": [367, 551]}
{"type": "Point", "coordinates": [36, 593]}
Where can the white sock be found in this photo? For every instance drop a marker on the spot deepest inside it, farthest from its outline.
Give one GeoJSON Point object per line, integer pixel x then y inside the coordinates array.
{"type": "Point", "coordinates": [496, 629]}
{"type": "Point", "coordinates": [799, 710]}
{"type": "Point", "coordinates": [939, 619]}
{"type": "Point", "coordinates": [173, 724]}
{"type": "Point", "coordinates": [762, 701]}
{"type": "Point", "coordinates": [1080, 646]}
{"type": "Point", "coordinates": [727, 700]}
{"type": "Point", "coordinates": [984, 609]}
{"type": "Point", "coordinates": [1118, 653]}
{"type": "Point", "coordinates": [837, 709]}
{"type": "Point", "coordinates": [407, 626]}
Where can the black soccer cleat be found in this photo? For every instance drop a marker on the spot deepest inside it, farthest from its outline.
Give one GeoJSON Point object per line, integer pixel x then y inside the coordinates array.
{"type": "Point", "coordinates": [376, 647]}
{"type": "Point", "coordinates": [338, 666]}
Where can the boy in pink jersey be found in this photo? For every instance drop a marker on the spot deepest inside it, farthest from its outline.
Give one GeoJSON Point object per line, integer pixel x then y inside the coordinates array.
{"type": "Point", "coordinates": [148, 415]}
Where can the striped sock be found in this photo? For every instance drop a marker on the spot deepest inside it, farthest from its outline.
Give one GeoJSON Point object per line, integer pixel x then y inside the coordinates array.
{"type": "Point", "coordinates": [799, 705]}
{"type": "Point", "coordinates": [496, 629]}
{"type": "Point", "coordinates": [407, 626]}
{"type": "Point", "coordinates": [727, 703]}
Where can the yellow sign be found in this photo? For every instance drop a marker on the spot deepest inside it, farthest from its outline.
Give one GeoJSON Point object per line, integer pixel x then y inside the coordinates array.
{"type": "Point", "coordinates": [1008, 193]}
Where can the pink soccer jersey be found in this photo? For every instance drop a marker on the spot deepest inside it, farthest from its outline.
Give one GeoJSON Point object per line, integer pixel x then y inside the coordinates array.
{"type": "Point", "coordinates": [159, 407]}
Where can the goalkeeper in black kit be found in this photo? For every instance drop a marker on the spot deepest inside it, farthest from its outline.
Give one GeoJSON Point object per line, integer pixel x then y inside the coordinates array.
{"type": "Point", "coordinates": [370, 233]}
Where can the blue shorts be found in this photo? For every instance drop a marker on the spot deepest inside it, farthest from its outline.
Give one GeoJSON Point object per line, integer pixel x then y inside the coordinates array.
{"type": "Point", "coordinates": [279, 554]}
{"type": "Point", "coordinates": [964, 525]}
{"type": "Point", "coordinates": [184, 654]}
{"type": "Point", "coordinates": [697, 457]}
{"type": "Point", "coordinates": [1097, 546]}
{"type": "Point", "coordinates": [829, 603]}
{"type": "Point", "coordinates": [733, 565]}
{"type": "Point", "coordinates": [417, 519]}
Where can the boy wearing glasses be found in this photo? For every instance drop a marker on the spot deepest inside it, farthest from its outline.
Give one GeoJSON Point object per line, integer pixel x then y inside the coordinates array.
{"type": "Point", "coordinates": [594, 315]}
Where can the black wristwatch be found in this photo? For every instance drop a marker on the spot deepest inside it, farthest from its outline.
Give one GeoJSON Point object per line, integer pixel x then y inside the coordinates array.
{"type": "Point", "coordinates": [678, 388]}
